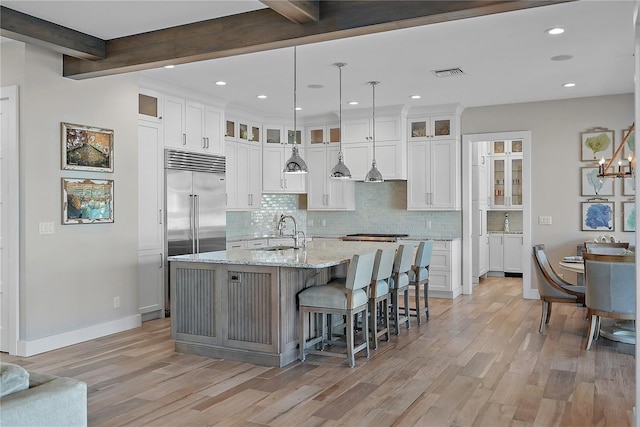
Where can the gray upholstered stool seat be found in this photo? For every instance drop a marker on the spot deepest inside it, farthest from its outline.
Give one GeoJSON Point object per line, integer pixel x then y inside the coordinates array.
{"type": "Point", "coordinates": [346, 297]}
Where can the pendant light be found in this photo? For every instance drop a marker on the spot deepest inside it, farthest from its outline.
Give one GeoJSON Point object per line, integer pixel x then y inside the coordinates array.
{"type": "Point", "coordinates": [374, 174]}
{"type": "Point", "coordinates": [340, 170]}
{"type": "Point", "coordinates": [295, 164]}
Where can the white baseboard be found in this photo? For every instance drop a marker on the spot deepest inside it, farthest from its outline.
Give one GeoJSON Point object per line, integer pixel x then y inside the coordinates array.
{"type": "Point", "coordinates": [54, 342]}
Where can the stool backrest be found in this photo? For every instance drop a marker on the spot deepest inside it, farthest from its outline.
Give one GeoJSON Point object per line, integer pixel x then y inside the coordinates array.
{"type": "Point", "coordinates": [383, 265]}
{"type": "Point", "coordinates": [360, 270]}
{"type": "Point", "coordinates": [402, 266]}
{"type": "Point", "coordinates": [423, 260]}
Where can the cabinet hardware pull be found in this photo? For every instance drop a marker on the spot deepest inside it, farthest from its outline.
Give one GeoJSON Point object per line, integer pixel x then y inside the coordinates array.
{"type": "Point", "coordinates": [184, 139]}
{"type": "Point", "coordinates": [160, 266]}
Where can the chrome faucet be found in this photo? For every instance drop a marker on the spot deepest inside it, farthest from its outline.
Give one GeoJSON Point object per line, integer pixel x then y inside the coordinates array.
{"type": "Point", "coordinates": [296, 234]}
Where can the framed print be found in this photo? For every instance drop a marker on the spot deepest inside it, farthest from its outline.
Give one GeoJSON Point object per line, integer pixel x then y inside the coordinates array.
{"type": "Point", "coordinates": [596, 144]}
{"type": "Point", "coordinates": [629, 216]}
{"type": "Point", "coordinates": [630, 145]}
{"type": "Point", "coordinates": [597, 216]}
{"type": "Point", "coordinates": [87, 201]}
{"type": "Point", "coordinates": [592, 185]}
{"type": "Point", "coordinates": [87, 148]}
{"type": "Point", "coordinates": [629, 187]}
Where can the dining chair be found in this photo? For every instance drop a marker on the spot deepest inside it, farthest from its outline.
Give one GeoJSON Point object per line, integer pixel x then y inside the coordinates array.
{"type": "Point", "coordinates": [419, 277]}
{"type": "Point", "coordinates": [610, 282]}
{"type": "Point", "coordinates": [379, 294]}
{"type": "Point", "coordinates": [346, 298]}
{"type": "Point", "coordinates": [552, 288]}
{"type": "Point", "coordinates": [399, 284]}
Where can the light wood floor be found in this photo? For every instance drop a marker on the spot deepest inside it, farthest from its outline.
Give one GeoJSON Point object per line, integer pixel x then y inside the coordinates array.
{"type": "Point", "coordinates": [479, 361]}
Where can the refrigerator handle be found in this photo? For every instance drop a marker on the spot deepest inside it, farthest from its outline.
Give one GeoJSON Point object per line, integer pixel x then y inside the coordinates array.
{"type": "Point", "coordinates": [192, 224]}
{"type": "Point", "coordinates": [196, 216]}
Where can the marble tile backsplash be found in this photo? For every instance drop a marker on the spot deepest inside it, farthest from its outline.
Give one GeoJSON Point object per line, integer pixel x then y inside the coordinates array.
{"type": "Point", "coordinates": [495, 221]}
{"type": "Point", "coordinates": [380, 208]}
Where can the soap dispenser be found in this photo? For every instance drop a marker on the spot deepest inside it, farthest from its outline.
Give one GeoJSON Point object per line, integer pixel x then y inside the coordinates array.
{"type": "Point", "coordinates": [506, 223]}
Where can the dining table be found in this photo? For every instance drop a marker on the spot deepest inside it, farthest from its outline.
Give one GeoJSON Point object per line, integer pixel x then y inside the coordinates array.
{"type": "Point", "coordinates": [621, 330]}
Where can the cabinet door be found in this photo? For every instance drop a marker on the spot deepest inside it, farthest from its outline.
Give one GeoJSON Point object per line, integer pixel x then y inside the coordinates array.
{"type": "Point", "coordinates": [317, 179]}
{"type": "Point", "coordinates": [340, 193]}
{"type": "Point", "coordinates": [174, 122]}
{"type": "Point", "coordinates": [213, 130]}
{"type": "Point", "coordinates": [357, 157]}
{"type": "Point", "coordinates": [418, 154]}
{"type": "Point", "coordinates": [243, 169]}
{"type": "Point", "coordinates": [498, 183]}
{"type": "Point", "coordinates": [496, 256]}
{"type": "Point", "coordinates": [355, 131]}
{"type": "Point", "coordinates": [231, 176]}
{"type": "Point", "coordinates": [483, 255]}
{"type": "Point", "coordinates": [150, 191]}
{"type": "Point", "coordinates": [272, 176]}
{"type": "Point", "coordinates": [442, 127]}
{"type": "Point", "coordinates": [387, 129]}
{"type": "Point", "coordinates": [513, 253]}
{"type": "Point", "coordinates": [150, 281]}
{"type": "Point", "coordinates": [443, 175]}
{"type": "Point", "coordinates": [150, 105]}
{"type": "Point", "coordinates": [195, 126]}
{"type": "Point", "coordinates": [515, 179]}
{"type": "Point", "coordinates": [254, 176]}
{"type": "Point", "coordinates": [272, 134]}
{"type": "Point", "coordinates": [389, 156]}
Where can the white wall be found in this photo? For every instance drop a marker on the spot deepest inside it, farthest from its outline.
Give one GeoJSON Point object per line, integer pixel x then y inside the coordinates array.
{"type": "Point", "coordinates": [70, 278]}
{"type": "Point", "coordinates": [555, 141]}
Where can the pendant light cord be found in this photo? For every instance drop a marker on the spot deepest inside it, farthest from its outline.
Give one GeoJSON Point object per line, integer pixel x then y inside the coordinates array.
{"type": "Point", "coordinates": [295, 89]}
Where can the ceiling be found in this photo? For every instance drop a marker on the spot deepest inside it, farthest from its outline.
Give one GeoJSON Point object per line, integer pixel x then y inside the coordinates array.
{"type": "Point", "coordinates": [506, 57]}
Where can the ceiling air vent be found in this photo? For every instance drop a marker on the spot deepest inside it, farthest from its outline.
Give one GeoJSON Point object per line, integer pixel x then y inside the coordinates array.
{"type": "Point", "coordinates": [448, 72]}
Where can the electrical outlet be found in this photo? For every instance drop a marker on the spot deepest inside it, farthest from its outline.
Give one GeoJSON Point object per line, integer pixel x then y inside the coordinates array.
{"type": "Point", "coordinates": [544, 220]}
{"type": "Point", "coordinates": [46, 228]}
{"type": "Point", "coordinates": [310, 223]}
{"type": "Point", "coordinates": [324, 223]}
{"type": "Point", "coordinates": [428, 223]}
{"type": "Point", "coordinates": [116, 302]}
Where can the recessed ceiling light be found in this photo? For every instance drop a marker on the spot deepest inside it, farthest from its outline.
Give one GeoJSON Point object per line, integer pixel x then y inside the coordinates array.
{"type": "Point", "coordinates": [221, 83]}
{"type": "Point", "coordinates": [561, 57]}
{"type": "Point", "coordinates": [554, 31]}
{"type": "Point", "coordinates": [568, 84]}
{"type": "Point", "coordinates": [298, 108]}
{"type": "Point", "coordinates": [415, 97]}
{"type": "Point", "coordinates": [353, 102]}
{"type": "Point", "coordinates": [262, 97]}
{"type": "Point", "coordinates": [168, 67]}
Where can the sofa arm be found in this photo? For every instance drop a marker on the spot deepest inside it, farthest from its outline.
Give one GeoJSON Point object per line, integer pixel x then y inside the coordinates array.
{"type": "Point", "coordinates": [49, 401]}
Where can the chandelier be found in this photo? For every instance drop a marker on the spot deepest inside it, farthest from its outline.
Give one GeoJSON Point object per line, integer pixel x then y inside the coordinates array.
{"type": "Point", "coordinates": [624, 171]}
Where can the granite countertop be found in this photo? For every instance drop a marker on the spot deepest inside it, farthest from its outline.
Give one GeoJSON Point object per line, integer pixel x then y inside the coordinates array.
{"type": "Point", "coordinates": [317, 254]}
{"type": "Point", "coordinates": [504, 232]}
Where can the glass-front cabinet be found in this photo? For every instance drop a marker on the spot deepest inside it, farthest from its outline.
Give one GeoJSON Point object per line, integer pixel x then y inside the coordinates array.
{"type": "Point", "coordinates": [323, 134]}
{"type": "Point", "coordinates": [427, 128]}
{"type": "Point", "coordinates": [506, 175]}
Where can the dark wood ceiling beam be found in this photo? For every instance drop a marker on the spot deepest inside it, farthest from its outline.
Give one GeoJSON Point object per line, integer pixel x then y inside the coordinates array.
{"type": "Point", "coordinates": [29, 29]}
{"type": "Point", "coordinates": [298, 11]}
{"type": "Point", "coordinates": [265, 29]}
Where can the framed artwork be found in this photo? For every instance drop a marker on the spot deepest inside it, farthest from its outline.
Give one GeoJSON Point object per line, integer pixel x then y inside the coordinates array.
{"type": "Point", "coordinates": [597, 216]}
{"type": "Point", "coordinates": [87, 148]}
{"type": "Point", "coordinates": [592, 185]}
{"type": "Point", "coordinates": [630, 145]}
{"type": "Point", "coordinates": [595, 144]}
{"type": "Point", "coordinates": [629, 216]}
{"type": "Point", "coordinates": [87, 201]}
{"type": "Point", "coordinates": [629, 187]}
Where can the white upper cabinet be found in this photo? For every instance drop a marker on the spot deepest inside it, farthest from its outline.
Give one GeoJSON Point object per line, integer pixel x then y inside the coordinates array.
{"type": "Point", "coordinates": [322, 134]}
{"type": "Point", "coordinates": [192, 126]}
{"type": "Point", "coordinates": [423, 128]}
{"type": "Point", "coordinates": [506, 174]}
{"type": "Point", "coordinates": [243, 175]}
{"type": "Point", "coordinates": [323, 192]}
{"type": "Point", "coordinates": [274, 180]}
{"type": "Point", "coordinates": [361, 130]}
{"type": "Point", "coordinates": [433, 169]}
{"type": "Point", "coordinates": [150, 105]}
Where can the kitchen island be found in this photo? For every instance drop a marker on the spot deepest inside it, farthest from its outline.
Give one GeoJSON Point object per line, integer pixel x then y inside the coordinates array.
{"type": "Point", "coordinates": [241, 304]}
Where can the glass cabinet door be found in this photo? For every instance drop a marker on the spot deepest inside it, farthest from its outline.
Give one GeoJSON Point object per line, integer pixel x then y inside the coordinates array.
{"type": "Point", "coordinates": [498, 185]}
{"type": "Point", "coordinates": [273, 135]}
{"type": "Point", "coordinates": [516, 181]}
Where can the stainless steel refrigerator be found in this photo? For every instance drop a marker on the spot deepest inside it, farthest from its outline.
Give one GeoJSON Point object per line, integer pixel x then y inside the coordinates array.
{"type": "Point", "coordinates": [195, 204]}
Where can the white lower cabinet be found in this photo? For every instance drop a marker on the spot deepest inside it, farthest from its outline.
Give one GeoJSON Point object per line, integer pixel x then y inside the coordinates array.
{"type": "Point", "coordinates": [513, 245]}
{"type": "Point", "coordinates": [505, 252]}
{"type": "Point", "coordinates": [445, 270]}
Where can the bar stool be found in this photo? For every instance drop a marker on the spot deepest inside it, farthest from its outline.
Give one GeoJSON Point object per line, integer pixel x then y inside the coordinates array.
{"type": "Point", "coordinates": [379, 293]}
{"type": "Point", "coordinates": [346, 299]}
{"type": "Point", "coordinates": [419, 276]}
{"type": "Point", "coordinates": [399, 283]}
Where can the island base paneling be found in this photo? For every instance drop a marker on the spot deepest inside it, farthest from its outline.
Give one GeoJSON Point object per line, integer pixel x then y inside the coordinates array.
{"type": "Point", "coordinates": [239, 312]}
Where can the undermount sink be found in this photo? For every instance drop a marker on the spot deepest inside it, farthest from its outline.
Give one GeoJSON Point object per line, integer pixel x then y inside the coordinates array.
{"type": "Point", "coordinates": [273, 248]}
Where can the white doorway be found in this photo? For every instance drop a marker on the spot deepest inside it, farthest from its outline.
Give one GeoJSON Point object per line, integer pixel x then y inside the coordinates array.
{"type": "Point", "coordinates": [9, 219]}
{"type": "Point", "coordinates": [467, 251]}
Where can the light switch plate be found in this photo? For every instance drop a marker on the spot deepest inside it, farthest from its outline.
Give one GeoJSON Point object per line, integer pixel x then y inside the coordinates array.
{"type": "Point", "coordinates": [46, 228]}
{"type": "Point", "coordinates": [544, 220]}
